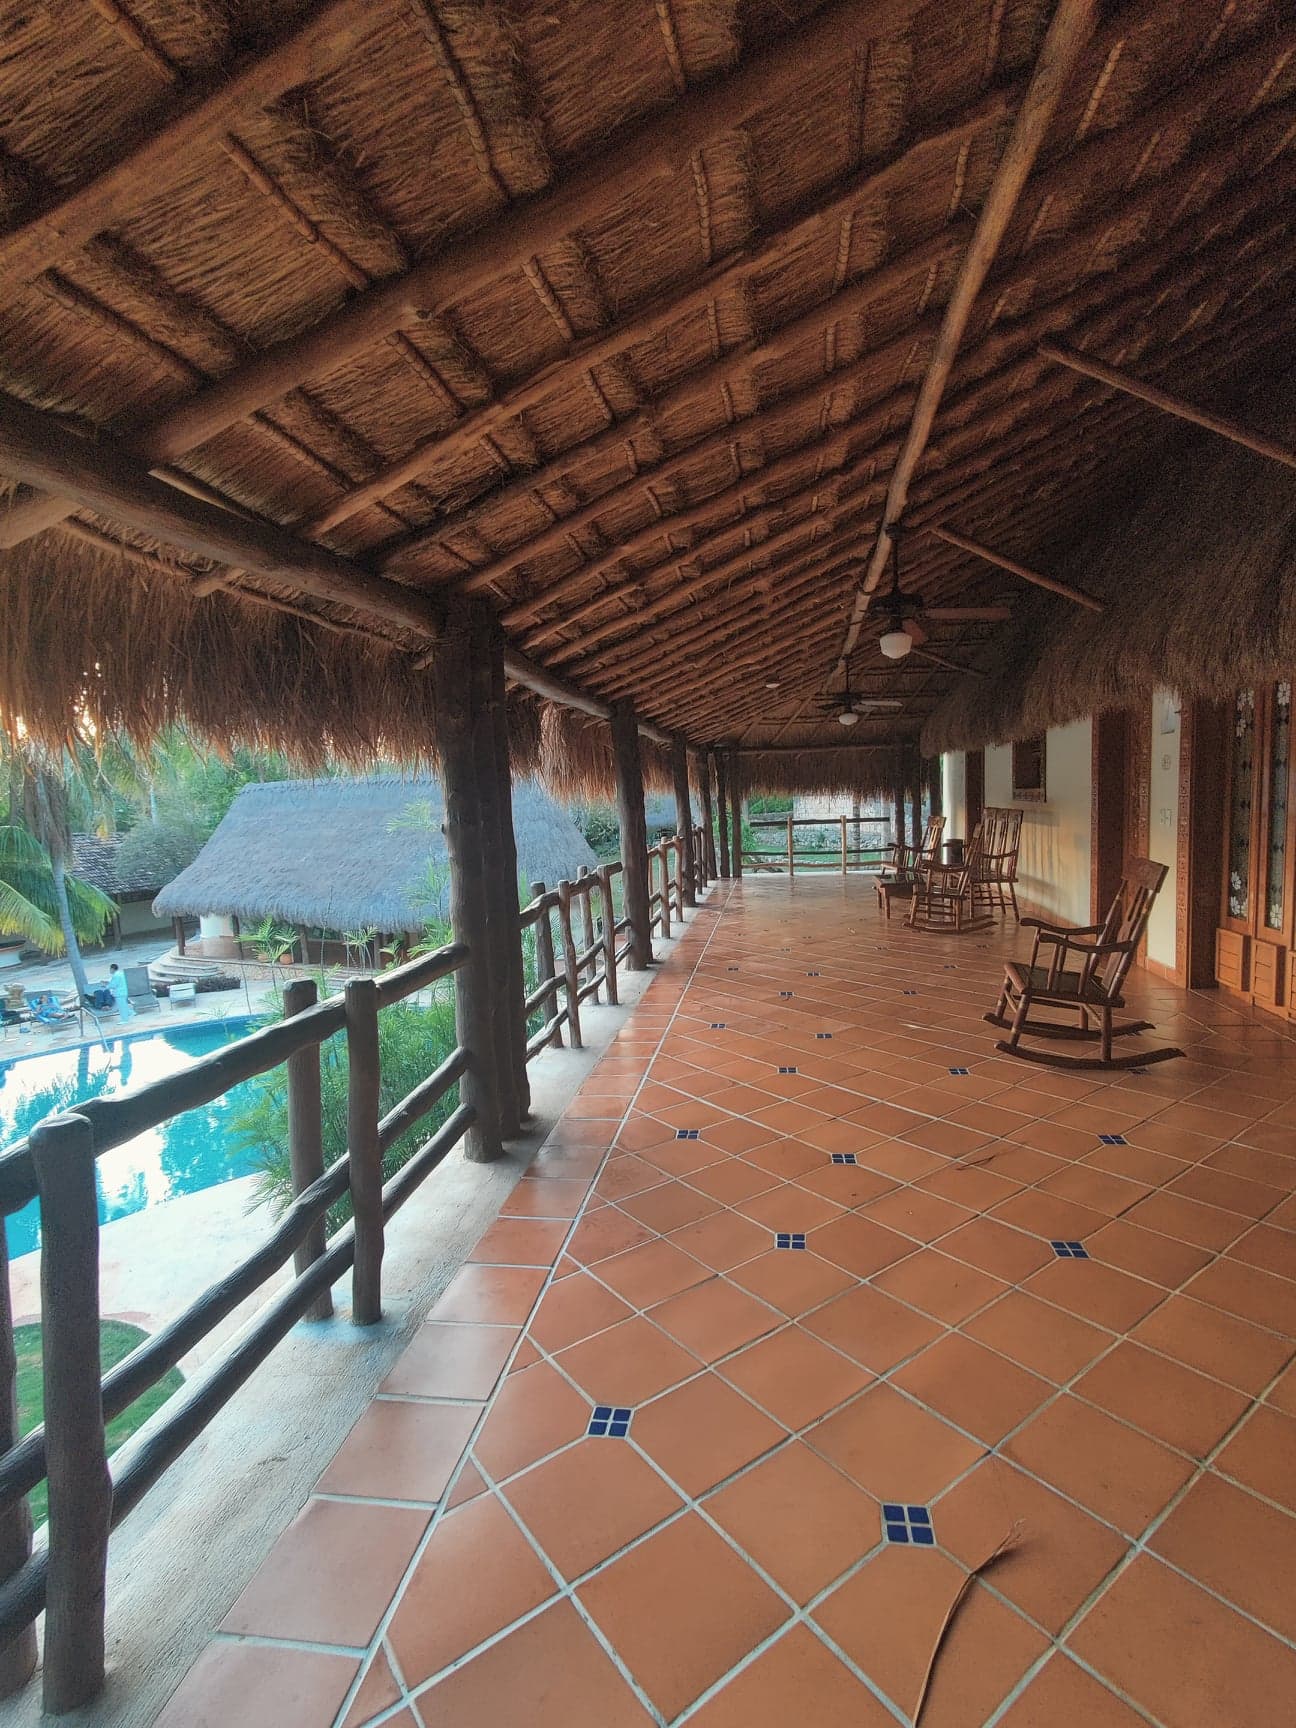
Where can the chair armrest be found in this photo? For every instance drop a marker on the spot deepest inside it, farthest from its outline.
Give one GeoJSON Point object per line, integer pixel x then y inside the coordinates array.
{"type": "Point", "coordinates": [1045, 928]}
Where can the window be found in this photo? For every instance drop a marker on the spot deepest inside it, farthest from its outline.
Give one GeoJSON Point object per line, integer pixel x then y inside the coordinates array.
{"type": "Point", "coordinates": [1028, 769]}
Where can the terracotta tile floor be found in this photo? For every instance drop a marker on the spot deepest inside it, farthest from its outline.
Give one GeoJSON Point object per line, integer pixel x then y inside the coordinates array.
{"type": "Point", "coordinates": [780, 1287]}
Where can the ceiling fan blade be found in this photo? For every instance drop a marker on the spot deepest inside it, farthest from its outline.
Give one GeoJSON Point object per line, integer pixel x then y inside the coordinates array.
{"type": "Point", "coordinates": [968, 614]}
{"type": "Point", "coordinates": [915, 630]}
{"type": "Point", "coordinates": [949, 665]}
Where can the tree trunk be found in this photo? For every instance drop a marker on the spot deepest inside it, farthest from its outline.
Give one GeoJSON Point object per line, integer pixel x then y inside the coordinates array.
{"type": "Point", "coordinates": [77, 964]}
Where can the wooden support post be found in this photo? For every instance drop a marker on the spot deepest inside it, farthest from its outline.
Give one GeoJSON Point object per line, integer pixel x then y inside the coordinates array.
{"type": "Point", "coordinates": [586, 883]}
{"type": "Point", "coordinates": [178, 932]}
{"type": "Point", "coordinates": [571, 972]}
{"type": "Point", "coordinates": [736, 805]}
{"type": "Point", "coordinates": [843, 845]}
{"type": "Point", "coordinates": [684, 821]}
{"type": "Point", "coordinates": [509, 996]}
{"type": "Point", "coordinates": [609, 933]}
{"type": "Point", "coordinates": [722, 802]}
{"type": "Point", "coordinates": [544, 948]}
{"type": "Point", "coordinates": [662, 849]}
{"type": "Point", "coordinates": [636, 869]}
{"type": "Point", "coordinates": [80, 1490]}
{"type": "Point", "coordinates": [463, 829]}
{"type": "Point", "coordinates": [708, 816]}
{"type": "Point", "coordinates": [363, 1149]}
{"type": "Point", "coordinates": [18, 1657]}
{"type": "Point", "coordinates": [791, 847]}
{"type": "Point", "coordinates": [305, 1135]}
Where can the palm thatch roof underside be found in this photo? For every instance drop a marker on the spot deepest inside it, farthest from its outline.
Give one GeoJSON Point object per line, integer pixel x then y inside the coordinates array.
{"type": "Point", "coordinates": [344, 854]}
{"type": "Point", "coordinates": [1197, 572]}
{"type": "Point", "coordinates": [636, 317]}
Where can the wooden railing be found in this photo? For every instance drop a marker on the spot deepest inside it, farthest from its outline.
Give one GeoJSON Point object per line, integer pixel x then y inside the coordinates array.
{"type": "Point", "coordinates": [847, 855]}
{"type": "Point", "coordinates": [66, 1573]}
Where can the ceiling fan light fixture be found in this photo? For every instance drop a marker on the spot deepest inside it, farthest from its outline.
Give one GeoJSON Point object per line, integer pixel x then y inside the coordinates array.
{"type": "Point", "coordinates": [848, 717]}
{"type": "Point", "coordinates": [771, 683]}
{"type": "Point", "coordinates": [895, 644]}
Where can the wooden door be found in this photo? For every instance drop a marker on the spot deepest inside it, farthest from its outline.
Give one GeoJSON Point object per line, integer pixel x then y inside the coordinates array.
{"type": "Point", "coordinates": [1253, 944]}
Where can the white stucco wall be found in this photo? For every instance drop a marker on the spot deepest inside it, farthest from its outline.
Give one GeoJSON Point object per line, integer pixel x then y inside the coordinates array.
{"type": "Point", "coordinates": [1053, 874]}
{"type": "Point", "coordinates": [954, 794]}
{"type": "Point", "coordinates": [1163, 822]}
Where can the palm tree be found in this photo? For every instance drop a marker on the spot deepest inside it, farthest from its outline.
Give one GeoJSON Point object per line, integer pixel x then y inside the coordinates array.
{"type": "Point", "coordinates": [29, 904]}
{"type": "Point", "coordinates": [45, 807]}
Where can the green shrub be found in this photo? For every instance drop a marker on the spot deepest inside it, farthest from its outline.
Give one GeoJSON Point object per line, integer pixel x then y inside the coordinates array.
{"type": "Point", "coordinates": [412, 1041]}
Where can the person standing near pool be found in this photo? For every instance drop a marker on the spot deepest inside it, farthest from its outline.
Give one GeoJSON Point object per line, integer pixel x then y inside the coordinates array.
{"type": "Point", "coordinates": [121, 993]}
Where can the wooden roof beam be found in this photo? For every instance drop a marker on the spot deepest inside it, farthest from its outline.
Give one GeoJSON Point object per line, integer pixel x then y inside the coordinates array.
{"type": "Point", "coordinates": [1017, 340]}
{"type": "Point", "coordinates": [1068, 34]}
{"type": "Point", "coordinates": [203, 112]}
{"type": "Point", "coordinates": [1090, 367]}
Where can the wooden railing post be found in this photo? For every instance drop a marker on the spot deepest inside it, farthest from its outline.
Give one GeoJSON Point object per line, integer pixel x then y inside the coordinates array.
{"type": "Point", "coordinates": [791, 845]}
{"type": "Point", "coordinates": [80, 1490]}
{"type": "Point", "coordinates": [843, 845]}
{"type": "Point", "coordinates": [545, 970]}
{"type": "Point", "coordinates": [586, 881]}
{"type": "Point", "coordinates": [663, 856]}
{"type": "Point", "coordinates": [571, 974]}
{"type": "Point", "coordinates": [306, 1134]}
{"type": "Point", "coordinates": [18, 1657]}
{"type": "Point", "coordinates": [708, 817]}
{"type": "Point", "coordinates": [609, 934]}
{"type": "Point", "coordinates": [363, 1149]}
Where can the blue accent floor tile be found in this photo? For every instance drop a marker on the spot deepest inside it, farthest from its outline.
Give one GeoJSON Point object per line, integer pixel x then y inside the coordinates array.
{"type": "Point", "coordinates": [687, 1133]}
{"type": "Point", "coordinates": [783, 993]}
{"type": "Point", "coordinates": [719, 1025]}
{"type": "Point", "coordinates": [908, 1525]}
{"type": "Point", "coordinates": [958, 1070]}
{"type": "Point", "coordinates": [1113, 1140]}
{"type": "Point", "coordinates": [1070, 1250]}
{"type": "Point", "coordinates": [843, 1158]}
{"type": "Point", "coordinates": [823, 1036]}
{"type": "Point", "coordinates": [786, 1070]}
{"type": "Point", "coordinates": [610, 1422]}
{"type": "Point", "coordinates": [789, 1239]}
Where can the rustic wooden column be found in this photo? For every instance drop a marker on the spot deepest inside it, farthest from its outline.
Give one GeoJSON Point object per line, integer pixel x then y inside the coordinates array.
{"type": "Point", "coordinates": [457, 727]}
{"type": "Point", "coordinates": [509, 1000]}
{"type": "Point", "coordinates": [684, 820]}
{"type": "Point", "coordinates": [18, 1657]}
{"type": "Point", "coordinates": [708, 816]}
{"type": "Point", "coordinates": [722, 800]}
{"type": "Point", "coordinates": [178, 931]}
{"type": "Point", "coordinates": [634, 833]}
{"type": "Point", "coordinates": [80, 1489]}
{"type": "Point", "coordinates": [736, 805]}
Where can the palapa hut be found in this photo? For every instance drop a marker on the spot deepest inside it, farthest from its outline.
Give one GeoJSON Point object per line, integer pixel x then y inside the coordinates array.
{"type": "Point", "coordinates": [691, 394]}
{"type": "Point", "coordinates": [332, 858]}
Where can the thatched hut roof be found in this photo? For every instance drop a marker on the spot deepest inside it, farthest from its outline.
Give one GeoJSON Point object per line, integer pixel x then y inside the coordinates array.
{"type": "Point", "coordinates": [635, 317]}
{"type": "Point", "coordinates": [342, 854]}
{"type": "Point", "coordinates": [1196, 567]}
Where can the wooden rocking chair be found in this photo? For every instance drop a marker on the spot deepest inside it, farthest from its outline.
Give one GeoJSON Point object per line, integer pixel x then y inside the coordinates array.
{"type": "Point", "coordinates": [1090, 989]}
{"type": "Point", "coordinates": [904, 865]}
{"type": "Point", "coordinates": [944, 896]}
{"type": "Point", "coordinates": [997, 883]}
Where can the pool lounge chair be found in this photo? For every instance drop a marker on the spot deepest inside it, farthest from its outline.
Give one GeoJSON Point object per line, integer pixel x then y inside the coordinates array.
{"type": "Point", "coordinates": [46, 1009]}
{"type": "Point", "coordinates": [139, 990]}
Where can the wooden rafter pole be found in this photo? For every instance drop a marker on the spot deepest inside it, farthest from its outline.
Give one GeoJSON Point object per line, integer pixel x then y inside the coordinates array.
{"type": "Point", "coordinates": [1070, 30]}
{"type": "Point", "coordinates": [1036, 577]}
{"type": "Point", "coordinates": [199, 117]}
{"type": "Point", "coordinates": [1091, 367]}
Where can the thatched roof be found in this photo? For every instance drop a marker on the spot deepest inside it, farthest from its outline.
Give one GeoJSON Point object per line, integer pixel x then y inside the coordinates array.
{"type": "Point", "coordinates": [633, 316]}
{"type": "Point", "coordinates": [1196, 567]}
{"type": "Point", "coordinates": [342, 854]}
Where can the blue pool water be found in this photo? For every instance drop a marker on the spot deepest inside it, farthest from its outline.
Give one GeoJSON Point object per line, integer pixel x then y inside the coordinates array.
{"type": "Point", "coordinates": [181, 1157]}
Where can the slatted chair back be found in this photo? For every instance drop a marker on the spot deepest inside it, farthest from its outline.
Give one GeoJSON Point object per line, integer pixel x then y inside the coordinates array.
{"type": "Point", "coordinates": [933, 833]}
{"type": "Point", "coordinates": [1126, 924]}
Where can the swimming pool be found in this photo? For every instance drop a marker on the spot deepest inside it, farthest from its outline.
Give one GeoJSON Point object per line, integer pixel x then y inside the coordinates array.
{"type": "Point", "coordinates": [181, 1157]}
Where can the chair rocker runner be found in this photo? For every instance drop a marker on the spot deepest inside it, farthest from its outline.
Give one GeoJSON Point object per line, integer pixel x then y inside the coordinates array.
{"type": "Point", "coordinates": [1082, 975]}
{"type": "Point", "coordinates": [904, 865]}
{"type": "Point", "coordinates": [944, 896]}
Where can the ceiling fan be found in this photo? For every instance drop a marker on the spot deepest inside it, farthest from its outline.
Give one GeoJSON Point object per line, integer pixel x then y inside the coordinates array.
{"type": "Point", "coordinates": [848, 708]}
{"type": "Point", "coordinates": [905, 616]}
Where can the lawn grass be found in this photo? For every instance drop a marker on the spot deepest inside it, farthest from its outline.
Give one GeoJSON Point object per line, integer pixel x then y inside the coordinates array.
{"type": "Point", "coordinates": [116, 1339]}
